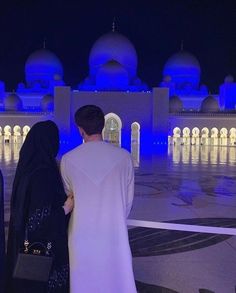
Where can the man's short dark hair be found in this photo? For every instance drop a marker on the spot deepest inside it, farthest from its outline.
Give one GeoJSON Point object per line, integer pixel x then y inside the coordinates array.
{"type": "Point", "coordinates": [90, 118]}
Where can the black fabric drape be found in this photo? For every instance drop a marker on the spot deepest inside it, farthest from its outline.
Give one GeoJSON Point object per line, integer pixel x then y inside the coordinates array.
{"type": "Point", "coordinates": [37, 200]}
{"type": "Point", "coordinates": [2, 233]}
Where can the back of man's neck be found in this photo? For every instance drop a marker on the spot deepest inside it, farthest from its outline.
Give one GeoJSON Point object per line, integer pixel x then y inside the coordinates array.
{"type": "Point", "coordinates": [93, 137]}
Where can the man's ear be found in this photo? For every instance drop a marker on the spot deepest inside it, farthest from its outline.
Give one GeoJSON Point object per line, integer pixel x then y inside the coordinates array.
{"type": "Point", "coordinates": [81, 131]}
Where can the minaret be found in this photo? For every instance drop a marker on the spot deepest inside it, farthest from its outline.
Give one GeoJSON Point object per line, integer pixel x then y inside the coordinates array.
{"type": "Point", "coordinates": [114, 25]}
{"type": "Point", "coordinates": [44, 43]}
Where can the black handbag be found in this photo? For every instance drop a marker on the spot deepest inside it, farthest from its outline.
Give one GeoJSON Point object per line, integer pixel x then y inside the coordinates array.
{"type": "Point", "coordinates": [34, 262]}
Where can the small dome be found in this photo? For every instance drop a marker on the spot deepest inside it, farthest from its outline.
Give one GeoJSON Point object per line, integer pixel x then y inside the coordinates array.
{"type": "Point", "coordinates": [184, 69]}
{"type": "Point", "coordinates": [203, 89]}
{"type": "Point", "coordinates": [47, 103]}
{"type": "Point", "coordinates": [112, 76]}
{"type": "Point", "coordinates": [209, 104]}
{"type": "Point", "coordinates": [42, 66]}
{"type": "Point", "coordinates": [229, 79]}
{"type": "Point", "coordinates": [167, 78]}
{"type": "Point", "coordinates": [113, 46]}
{"type": "Point", "coordinates": [13, 103]}
{"type": "Point", "coordinates": [175, 104]}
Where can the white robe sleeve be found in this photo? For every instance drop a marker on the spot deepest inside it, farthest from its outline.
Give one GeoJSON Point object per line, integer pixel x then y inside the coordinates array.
{"type": "Point", "coordinates": [64, 174]}
{"type": "Point", "coordinates": [130, 188]}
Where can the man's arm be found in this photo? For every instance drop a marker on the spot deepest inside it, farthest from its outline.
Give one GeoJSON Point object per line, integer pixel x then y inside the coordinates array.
{"type": "Point", "coordinates": [65, 177]}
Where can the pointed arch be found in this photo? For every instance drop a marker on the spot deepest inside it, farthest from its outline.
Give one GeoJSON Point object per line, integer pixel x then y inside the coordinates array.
{"type": "Point", "coordinates": [195, 136]}
{"type": "Point", "coordinates": [135, 143]}
{"type": "Point", "coordinates": [204, 136]}
{"type": "Point", "coordinates": [17, 133]}
{"type": "Point", "coordinates": [26, 129]}
{"type": "Point", "coordinates": [186, 136]}
{"type": "Point", "coordinates": [112, 129]}
{"type": "Point", "coordinates": [232, 136]}
{"type": "Point", "coordinates": [176, 136]}
{"type": "Point", "coordinates": [223, 136]}
{"type": "Point", "coordinates": [7, 133]}
{"type": "Point", "coordinates": [214, 136]}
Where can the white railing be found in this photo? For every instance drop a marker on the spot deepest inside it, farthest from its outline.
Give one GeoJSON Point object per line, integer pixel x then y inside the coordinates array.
{"type": "Point", "coordinates": [182, 227]}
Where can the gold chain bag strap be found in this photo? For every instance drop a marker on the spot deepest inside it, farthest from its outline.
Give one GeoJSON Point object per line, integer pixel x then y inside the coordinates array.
{"type": "Point", "coordinates": [34, 262]}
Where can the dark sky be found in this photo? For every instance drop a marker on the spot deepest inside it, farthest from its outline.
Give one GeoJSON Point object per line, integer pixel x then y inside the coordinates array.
{"type": "Point", "coordinates": [156, 29]}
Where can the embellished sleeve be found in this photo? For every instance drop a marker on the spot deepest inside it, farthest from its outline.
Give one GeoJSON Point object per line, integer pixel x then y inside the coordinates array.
{"type": "Point", "coordinates": [46, 217]}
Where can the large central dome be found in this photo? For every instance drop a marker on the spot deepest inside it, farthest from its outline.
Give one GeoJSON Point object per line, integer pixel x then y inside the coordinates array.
{"type": "Point", "coordinates": [116, 47]}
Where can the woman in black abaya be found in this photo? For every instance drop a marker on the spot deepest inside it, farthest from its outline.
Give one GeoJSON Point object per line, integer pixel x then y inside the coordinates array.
{"type": "Point", "coordinates": [2, 234]}
{"type": "Point", "coordinates": [39, 201]}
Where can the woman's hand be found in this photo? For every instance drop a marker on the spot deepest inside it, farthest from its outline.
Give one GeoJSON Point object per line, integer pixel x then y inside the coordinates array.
{"type": "Point", "coordinates": [68, 204]}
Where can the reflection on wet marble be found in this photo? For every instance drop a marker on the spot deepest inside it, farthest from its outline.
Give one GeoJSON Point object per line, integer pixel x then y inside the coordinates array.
{"type": "Point", "coordinates": [189, 184]}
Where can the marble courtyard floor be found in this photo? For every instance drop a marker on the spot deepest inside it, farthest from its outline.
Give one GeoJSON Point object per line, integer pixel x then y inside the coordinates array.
{"type": "Point", "coordinates": [188, 185]}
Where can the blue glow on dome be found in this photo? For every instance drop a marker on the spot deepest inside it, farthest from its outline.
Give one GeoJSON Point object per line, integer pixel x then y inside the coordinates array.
{"type": "Point", "coordinates": [43, 70]}
{"type": "Point", "coordinates": [113, 66]}
{"type": "Point", "coordinates": [112, 76]}
{"type": "Point", "coordinates": [113, 46]}
{"type": "Point", "coordinates": [184, 72]}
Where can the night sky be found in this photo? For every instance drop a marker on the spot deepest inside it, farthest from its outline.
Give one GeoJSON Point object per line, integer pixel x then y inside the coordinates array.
{"type": "Point", "coordinates": [156, 28]}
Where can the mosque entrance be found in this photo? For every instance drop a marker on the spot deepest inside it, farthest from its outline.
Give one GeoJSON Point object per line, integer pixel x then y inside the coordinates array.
{"type": "Point", "coordinates": [112, 129]}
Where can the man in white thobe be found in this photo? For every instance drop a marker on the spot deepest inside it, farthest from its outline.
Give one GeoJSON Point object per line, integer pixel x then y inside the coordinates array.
{"type": "Point", "coordinates": [101, 177]}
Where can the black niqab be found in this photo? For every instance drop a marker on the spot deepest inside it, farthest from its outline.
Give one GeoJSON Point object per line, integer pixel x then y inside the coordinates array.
{"type": "Point", "coordinates": [39, 150]}
{"type": "Point", "coordinates": [2, 233]}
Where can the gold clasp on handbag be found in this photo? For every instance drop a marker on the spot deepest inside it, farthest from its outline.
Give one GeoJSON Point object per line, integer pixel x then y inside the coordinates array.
{"type": "Point", "coordinates": [49, 247]}
{"type": "Point", "coordinates": [36, 251]}
{"type": "Point", "coordinates": [26, 244]}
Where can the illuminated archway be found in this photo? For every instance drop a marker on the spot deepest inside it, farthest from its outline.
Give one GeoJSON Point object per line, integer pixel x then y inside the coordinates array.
{"type": "Point", "coordinates": [135, 143]}
{"type": "Point", "coordinates": [195, 136]}
{"type": "Point", "coordinates": [186, 136]}
{"type": "Point", "coordinates": [204, 136]}
{"type": "Point", "coordinates": [17, 133]}
{"type": "Point", "coordinates": [112, 129]}
{"type": "Point", "coordinates": [7, 133]}
{"type": "Point", "coordinates": [25, 131]}
{"type": "Point", "coordinates": [214, 136]}
{"type": "Point", "coordinates": [1, 138]}
{"type": "Point", "coordinates": [232, 136]}
{"type": "Point", "coordinates": [223, 136]}
{"type": "Point", "coordinates": [176, 136]}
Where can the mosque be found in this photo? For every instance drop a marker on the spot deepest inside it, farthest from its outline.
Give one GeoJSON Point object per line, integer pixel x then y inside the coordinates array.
{"type": "Point", "coordinates": [178, 111]}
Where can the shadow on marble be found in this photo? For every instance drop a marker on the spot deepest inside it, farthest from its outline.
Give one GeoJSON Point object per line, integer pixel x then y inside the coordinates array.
{"type": "Point", "coordinates": [148, 288]}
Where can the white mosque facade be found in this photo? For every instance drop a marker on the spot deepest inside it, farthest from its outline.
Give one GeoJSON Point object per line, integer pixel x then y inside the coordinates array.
{"type": "Point", "coordinates": [178, 111]}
